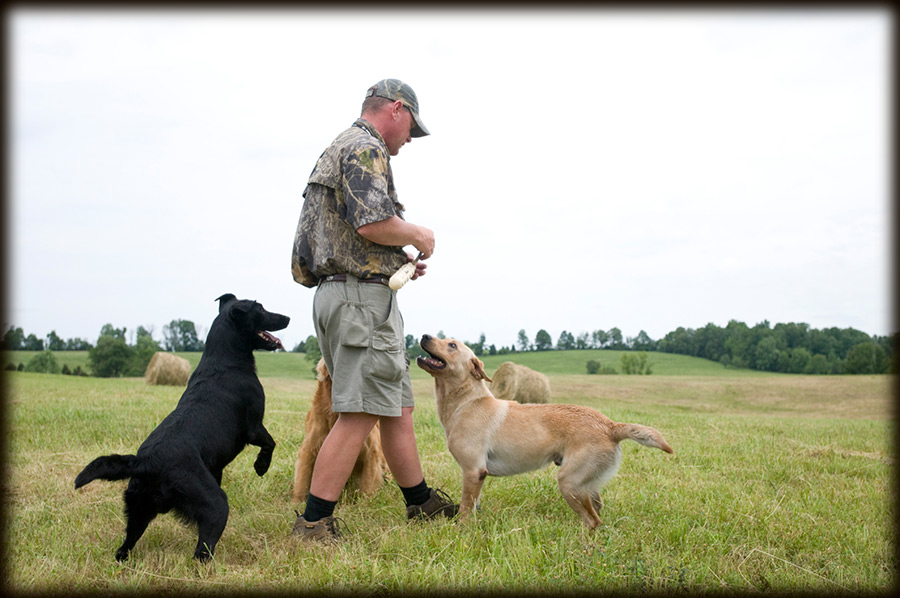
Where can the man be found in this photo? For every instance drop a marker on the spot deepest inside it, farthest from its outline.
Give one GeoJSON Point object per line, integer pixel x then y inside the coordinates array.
{"type": "Point", "coordinates": [349, 242]}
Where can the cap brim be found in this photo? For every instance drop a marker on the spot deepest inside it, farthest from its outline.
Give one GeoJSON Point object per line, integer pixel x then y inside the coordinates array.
{"type": "Point", "coordinates": [418, 129]}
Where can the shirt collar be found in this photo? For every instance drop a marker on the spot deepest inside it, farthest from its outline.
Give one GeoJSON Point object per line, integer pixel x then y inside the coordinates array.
{"type": "Point", "coordinates": [370, 129]}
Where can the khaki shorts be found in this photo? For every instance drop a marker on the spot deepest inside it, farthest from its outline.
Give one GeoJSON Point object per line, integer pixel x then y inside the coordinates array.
{"type": "Point", "coordinates": [360, 333]}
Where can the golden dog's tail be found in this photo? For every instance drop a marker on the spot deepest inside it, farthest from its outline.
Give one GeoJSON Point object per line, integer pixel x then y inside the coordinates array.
{"type": "Point", "coordinates": [642, 435]}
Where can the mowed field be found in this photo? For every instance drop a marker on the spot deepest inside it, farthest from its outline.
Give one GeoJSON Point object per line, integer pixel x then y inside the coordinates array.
{"type": "Point", "coordinates": [779, 483]}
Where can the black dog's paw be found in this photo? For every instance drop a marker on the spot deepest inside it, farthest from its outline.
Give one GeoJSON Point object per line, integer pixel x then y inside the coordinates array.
{"type": "Point", "coordinates": [121, 555]}
{"type": "Point", "coordinates": [261, 465]}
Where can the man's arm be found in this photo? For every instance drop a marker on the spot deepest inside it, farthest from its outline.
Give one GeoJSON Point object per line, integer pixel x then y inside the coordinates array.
{"type": "Point", "coordinates": [398, 232]}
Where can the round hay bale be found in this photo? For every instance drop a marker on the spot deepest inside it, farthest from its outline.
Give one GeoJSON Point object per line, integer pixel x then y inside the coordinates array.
{"type": "Point", "coordinates": [515, 382]}
{"type": "Point", "coordinates": [165, 368]}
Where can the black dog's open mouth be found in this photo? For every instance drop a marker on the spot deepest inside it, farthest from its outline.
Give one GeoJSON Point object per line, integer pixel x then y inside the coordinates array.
{"type": "Point", "coordinates": [270, 341]}
{"type": "Point", "coordinates": [431, 362]}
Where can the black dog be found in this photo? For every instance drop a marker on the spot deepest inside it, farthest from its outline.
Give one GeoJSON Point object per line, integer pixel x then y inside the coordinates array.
{"type": "Point", "coordinates": [179, 466]}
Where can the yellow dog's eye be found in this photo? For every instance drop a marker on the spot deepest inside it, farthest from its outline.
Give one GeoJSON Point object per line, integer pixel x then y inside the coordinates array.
{"type": "Point", "coordinates": [452, 345]}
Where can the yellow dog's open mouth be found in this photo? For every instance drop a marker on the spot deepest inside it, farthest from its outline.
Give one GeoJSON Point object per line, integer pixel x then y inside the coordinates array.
{"type": "Point", "coordinates": [431, 362]}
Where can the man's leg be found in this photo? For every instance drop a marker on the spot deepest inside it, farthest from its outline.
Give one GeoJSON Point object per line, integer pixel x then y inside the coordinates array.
{"type": "Point", "coordinates": [398, 441]}
{"type": "Point", "coordinates": [339, 452]}
{"type": "Point", "coordinates": [332, 469]}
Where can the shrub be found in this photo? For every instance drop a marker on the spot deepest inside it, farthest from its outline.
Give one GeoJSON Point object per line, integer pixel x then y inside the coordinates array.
{"type": "Point", "coordinates": [44, 363]}
{"type": "Point", "coordinates": [636, 363]}
{"type": "Point", "coordinates": [595, 367]}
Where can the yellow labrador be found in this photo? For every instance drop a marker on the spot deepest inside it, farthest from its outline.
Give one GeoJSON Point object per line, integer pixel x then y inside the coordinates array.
{"type": "Point", "coordinates": [488, 436]}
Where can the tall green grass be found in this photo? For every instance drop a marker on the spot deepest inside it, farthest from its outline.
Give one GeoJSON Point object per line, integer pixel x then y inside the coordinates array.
{"type": "Point", "coordinates": [779, 483]}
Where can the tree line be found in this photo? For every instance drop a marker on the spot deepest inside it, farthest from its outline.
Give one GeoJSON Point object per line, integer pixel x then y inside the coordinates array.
{"type": "Point", "coordinates": [788, 348]}
{"type": "Point", "coordinates": [112, 356]}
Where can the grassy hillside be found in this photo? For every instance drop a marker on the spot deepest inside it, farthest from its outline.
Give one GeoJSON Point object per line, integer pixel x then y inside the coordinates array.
{"type": "Point", "coordinates": [290, 365]}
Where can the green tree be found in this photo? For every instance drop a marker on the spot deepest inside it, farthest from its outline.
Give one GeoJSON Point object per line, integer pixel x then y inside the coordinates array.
{"type": "Point", "coordinates": [478, 348]}
{"type": "Point", "coordinates": [798, 360]}
{"type": "Point", "coordinates": [33, 343]}
{"type": "Point", "coordinates": [77, 344]}
{"type": "Point", "coordinates": [738, 344]}
{"type": "Point", "coordinates": [615, 339]}
{"type": "Point", "coordinates": [818, 365]}
{"type": "Point", "coordinates": [866, 358]}
{"type": "Point", "coordinates": [14, 339]}
{"type": "Point", "coordinates": [711, 342]}
{"type": "Point", "coordinates": [566, 341]}
{"type": "Point", "coordinates": [54, 343]}
{"type": "Point", "coordinates": [144, 349]}
{"type": "Point", "coordinates": [767, 356]}
{"type": "Point", "coordinates": [583, 341]}
{"type": "Point", "coordinates": [110, 330]}
{"type": "Point", "coordinates": [599, 339]}
{"type": "Point", "coordinates": [543, 341]}
{"type": "Point", "coordinates": [313, 352]}
{"type": "Point", "coordinates": [111, 356]}
{"type": "Point", "coordinates": [523, 342]}
{"type": "Point", "coordinates": [643, 342]}
{"type": "Point", "coordinates": [181, 335]}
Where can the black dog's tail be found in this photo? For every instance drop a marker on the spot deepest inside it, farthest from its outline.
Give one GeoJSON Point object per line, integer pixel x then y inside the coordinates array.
{"type": "Point", "coordinates": [110, 467]}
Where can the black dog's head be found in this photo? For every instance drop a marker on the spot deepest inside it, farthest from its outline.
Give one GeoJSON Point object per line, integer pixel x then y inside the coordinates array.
{"type": "Point", "coordinates": [249, 321]}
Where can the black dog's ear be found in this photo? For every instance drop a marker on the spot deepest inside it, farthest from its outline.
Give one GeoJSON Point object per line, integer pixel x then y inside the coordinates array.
{"type": "Point", "coordinates": [225, 300]}
{"type": "Point", "coordinates": [242, 308]}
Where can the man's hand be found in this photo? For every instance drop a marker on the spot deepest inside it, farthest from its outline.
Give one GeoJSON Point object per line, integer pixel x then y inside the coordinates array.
{"type": "Point", "coordinates": [420, 266]}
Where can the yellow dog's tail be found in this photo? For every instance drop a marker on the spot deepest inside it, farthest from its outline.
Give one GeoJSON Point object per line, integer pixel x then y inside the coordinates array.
{"type": "Point", "coordinates": [642, 435]}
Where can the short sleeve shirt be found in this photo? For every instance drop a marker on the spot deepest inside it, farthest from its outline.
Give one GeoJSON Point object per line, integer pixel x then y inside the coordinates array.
{"type": "Point", "coordinates": [350, 186]}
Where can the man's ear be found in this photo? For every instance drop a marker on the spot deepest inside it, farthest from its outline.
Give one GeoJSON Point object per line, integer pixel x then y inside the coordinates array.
{"type": "Point", "coordinates": [478, 370]}
{"type": "Point", "coordinates": [396, 109]}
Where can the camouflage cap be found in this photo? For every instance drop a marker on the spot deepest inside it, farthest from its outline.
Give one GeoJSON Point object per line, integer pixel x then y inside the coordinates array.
{"type": "Point", "coordinates": [395, 89]}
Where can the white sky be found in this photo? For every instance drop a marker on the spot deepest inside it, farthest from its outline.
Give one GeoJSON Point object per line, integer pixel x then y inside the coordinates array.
{"type": "Point", "coordinates": [586, 169]}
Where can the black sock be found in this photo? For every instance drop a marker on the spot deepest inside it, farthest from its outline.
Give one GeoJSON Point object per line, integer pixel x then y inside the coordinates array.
{"type": "Point", "coordinates": [416, 495]}
{"type": "Point", "coordinates": [317, 508]}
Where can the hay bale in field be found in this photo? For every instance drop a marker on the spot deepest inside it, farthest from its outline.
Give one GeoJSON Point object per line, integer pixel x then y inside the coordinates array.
{"type": "Point", "coordinates": [515, 382]}
{"type": "Point", "coordinates": [165, 368]}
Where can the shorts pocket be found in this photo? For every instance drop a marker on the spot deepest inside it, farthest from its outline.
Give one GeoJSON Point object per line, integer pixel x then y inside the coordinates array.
{"type": "Point", "coordinates": [387, 359]}
{"type": "Point", "coordinates": [354, 324]}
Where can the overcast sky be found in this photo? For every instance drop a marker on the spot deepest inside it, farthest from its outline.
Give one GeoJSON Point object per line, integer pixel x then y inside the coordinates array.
{"type": "Point", "coordinates": [586, 169]}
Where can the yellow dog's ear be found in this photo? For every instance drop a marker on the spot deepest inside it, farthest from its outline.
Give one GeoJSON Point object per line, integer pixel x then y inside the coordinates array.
{"type": "Point", "coordinates": [478, 370]}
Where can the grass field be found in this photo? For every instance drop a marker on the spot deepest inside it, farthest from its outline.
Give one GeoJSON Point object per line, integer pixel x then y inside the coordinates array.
{"type": "Point", "coordinates": [779, 484]}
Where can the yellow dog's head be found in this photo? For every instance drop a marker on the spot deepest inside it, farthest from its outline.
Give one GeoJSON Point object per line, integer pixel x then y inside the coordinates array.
{"type": "Point", "coordinates": [450, 358]}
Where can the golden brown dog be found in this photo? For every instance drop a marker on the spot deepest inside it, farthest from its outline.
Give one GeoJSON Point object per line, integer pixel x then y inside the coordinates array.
{"type": "Point", "coordinates": [488, 436]}
{"type": "Point", "coordinates": [370, 468]}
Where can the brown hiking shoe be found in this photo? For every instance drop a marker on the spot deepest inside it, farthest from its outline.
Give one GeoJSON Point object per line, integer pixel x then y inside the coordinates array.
{"type": "Point", "coordinates": [437, 504]}
{"type": "Point", "coordinates": [323, 530]}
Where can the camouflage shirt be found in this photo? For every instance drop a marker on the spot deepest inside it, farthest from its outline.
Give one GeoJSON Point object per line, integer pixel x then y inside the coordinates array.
{"type": "Point", "coordinates": [350, 186]}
